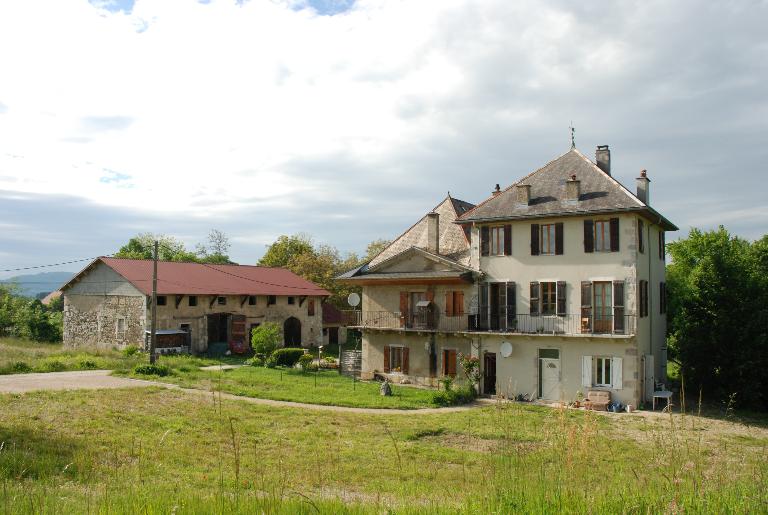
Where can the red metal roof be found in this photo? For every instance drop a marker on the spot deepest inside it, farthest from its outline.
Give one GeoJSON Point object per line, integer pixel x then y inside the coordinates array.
{"type": "Point", "coordinates": [204, 279]}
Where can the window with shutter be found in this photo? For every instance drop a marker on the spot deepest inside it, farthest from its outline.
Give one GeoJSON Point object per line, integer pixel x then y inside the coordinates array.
{"type": "Point", "coordinates": [559, 238]}
{"type": "Point", "coordinates": [511, 307]}
{"type": "Point", "coordinates": [586, 306]}
{"type": "Point", "coordinates": [534, 239]}
{"type": "Point", "coordinates": [586, 371]}
{"type": "Point", "coordinates": [449, 303]}
{"type": "Point", "coordinates": [641, 236]}
{"type": "Point", "coordinates": [603, 375]}
{"type": "Point", "coordinates": [534, 299]}
{"type": "Point", "coordinates": [449, 362]}
{"type": "Point", "coordinates": [404, 368]}
{"type": "Point", "coordinates": [484, 240]}
{"type": "Point", "coordinates": [458, 303]}
{"type": "Point", "coordinates": [311, 307]}
{"type": "Point", "coordinates": [618, 307]}
{"type": "Point", "coordinates": [643, 298]}
{"type": "Point", "coordinates": [617, 373]}
{"type": "Point", "coordinates": [662, 245]}
{"type": "Point", "coordinates": [547, 240]}
{"type": "Point", "coordinates": [561, 298]}
{"type": "Point", "coordinates": [589, 236]}
{"type": "Point", "coordinates": [483, 306]}
{"type": "Point", "coordinates": [387, 357]}
{"type": "Point", "coordinates": [662, 298]}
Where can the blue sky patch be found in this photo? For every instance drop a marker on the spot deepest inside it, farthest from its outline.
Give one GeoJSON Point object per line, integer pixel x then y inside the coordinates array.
{"type": "Point", "coordinates": [114, 5]}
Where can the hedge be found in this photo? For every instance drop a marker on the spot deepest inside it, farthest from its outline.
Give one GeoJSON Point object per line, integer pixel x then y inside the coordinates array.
{"type": "Point", "coordinates": [287, 357]}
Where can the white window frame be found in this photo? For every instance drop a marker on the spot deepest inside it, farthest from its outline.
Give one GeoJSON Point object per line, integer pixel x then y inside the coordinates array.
{"type": "Point", "coordinates": [496, 245]}
{"type": "Point", "coordinates": [589, 370]}
{"type": "Point", "coordinates": [547, 233]}
{"type": "Point", "coordinates": [601, 365]}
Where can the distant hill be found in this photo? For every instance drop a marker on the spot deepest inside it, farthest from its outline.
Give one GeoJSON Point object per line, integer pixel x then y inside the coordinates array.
{"type": "Point", "coordinates": [38, 285]}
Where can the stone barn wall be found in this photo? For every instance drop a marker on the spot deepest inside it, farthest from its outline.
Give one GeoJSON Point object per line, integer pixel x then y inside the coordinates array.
{"type": "Point", "coordinates": [94, 321]}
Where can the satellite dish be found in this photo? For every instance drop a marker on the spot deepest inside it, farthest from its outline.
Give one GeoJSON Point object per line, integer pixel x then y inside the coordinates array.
{"type": "Point", "coordinates": [506, 349]}
{"type": "Point", "coordinates": [353, 299]}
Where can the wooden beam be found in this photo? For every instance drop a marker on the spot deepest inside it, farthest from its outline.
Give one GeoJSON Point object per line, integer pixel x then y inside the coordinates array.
{"type": "Point", "coordinates": [242, 302]}
{"type": "Point", "coordinates": [178, 300]}
{"type": "Point", "coordinates": [302, 299]}
{"type": "Point", "coordinates": [213, 301]}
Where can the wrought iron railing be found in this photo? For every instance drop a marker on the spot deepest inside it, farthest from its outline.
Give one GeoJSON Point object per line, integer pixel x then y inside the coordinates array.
{"type": "Point", "coordinates": [493, 322]}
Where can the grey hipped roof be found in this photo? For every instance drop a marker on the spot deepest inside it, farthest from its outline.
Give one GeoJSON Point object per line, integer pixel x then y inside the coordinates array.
{"type": "Point", "coordinates": [600, 193]}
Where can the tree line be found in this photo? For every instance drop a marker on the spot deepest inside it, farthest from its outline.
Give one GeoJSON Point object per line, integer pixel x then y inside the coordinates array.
{"type": "Point", "coordinates": [24, 317]}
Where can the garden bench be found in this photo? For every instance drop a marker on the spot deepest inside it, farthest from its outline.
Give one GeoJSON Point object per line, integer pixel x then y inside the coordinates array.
{"type": "Point", "coordinates": [597, 400]}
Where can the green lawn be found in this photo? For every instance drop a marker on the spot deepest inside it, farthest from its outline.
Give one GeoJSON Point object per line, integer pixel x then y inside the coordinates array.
{"type": "Point", "coordinates": [323, 387]}
{"type": "Point", "coordinates": [163, 451]}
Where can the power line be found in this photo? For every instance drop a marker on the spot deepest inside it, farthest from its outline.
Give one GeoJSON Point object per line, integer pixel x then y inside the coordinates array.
{"type": "Point", "coordinates": [52, 264]}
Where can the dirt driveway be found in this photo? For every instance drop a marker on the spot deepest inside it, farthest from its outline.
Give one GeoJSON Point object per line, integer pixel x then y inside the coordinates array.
{"type": "Point", "coordinates": [81, 380]}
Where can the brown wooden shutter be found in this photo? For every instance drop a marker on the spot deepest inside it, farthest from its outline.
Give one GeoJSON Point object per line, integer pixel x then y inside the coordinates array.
{"type": "Point", "coordinates": [405, 360]}
{"type": "Point", "coordinates": [458, 303]}
{"type": "Point", "coordinates": [403, 307]}
{"type": "Point", "coordinates": [559, 238]}
{"type": "Point", "coordinates": [386, 358]}
{"type": "Point", "coordinates": [311, 307]}
{"type": "Point", "coordinates": [641, 236]}
{"type": "Point", "coordinates": [534, 298]}
{"type": "Point", "coordinates": [508, 240]}
{"type": "Point", "coordinates": [561, 298]}
{"type": "Point", "coordinates": [511, 306]}
{"type": "Point", "coordinates": [618, 307]}
{"type": "Point", "coordinates": [586, 306]}
{"type": "Point", "coordinates": [589, 236]}
{"type": "Point", "coordinates": [449, 303]}
{"type": "Point", "coordinates": [614, 234]}
{"type": "Point", "coordinates": [662, 245]}
{"type": "Point", "coordinates": [643, 298]}
{"type": "Point", "coordinates": [485, 241]}
{"type": "Point", "coordinates": [534, 239]}
{"type": "Point", "coordinates": [452, 362]}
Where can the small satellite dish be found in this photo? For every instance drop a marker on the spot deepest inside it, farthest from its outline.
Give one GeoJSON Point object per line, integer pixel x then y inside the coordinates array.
{"type": "Point", "coordinates": [353, 299]}
{"type": "Point", "coordinates": [506, 349]}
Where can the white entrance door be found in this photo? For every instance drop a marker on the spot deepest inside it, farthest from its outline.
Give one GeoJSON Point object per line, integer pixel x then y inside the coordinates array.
{"type": "Point", "coordinates": [550, 379]}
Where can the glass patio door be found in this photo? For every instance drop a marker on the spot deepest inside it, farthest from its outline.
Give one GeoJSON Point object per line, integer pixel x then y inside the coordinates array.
{"type": "Point", "coordinates": [603, 307]}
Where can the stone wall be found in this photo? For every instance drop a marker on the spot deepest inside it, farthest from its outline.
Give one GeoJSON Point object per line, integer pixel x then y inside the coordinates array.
{"type": "Point", "coordinates": [94, 320]}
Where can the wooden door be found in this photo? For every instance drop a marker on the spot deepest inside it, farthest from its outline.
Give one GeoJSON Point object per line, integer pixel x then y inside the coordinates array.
{"type": "Point", "coordinates": [489, 373]}
{"type": "Point", "coordinates": [237, 343]}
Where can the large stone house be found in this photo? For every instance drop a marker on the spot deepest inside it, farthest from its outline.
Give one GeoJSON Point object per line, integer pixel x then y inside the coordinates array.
{"type": "Point", "coordinates": [557, 288]}
{"type": "Point", "coordinates": [109, 304]}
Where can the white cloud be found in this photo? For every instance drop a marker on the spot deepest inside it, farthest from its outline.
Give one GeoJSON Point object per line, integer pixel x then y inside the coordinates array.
{"type": "Point", "coordinates": [211, 109]}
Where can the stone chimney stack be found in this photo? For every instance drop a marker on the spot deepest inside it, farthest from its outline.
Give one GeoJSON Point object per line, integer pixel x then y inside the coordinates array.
{"type": "Point", "coordinates": [572, 189]}
{"type": "Point", "coordinates": [433, 232]}
{"type": "Point", "coordinates": [644, 187]}
{"type": "Point", "coordinates": [496, 190]}
{"type": "Point", "coordinates": [603, 158]}
{"type": "Point", "coordinates": [524, 194]}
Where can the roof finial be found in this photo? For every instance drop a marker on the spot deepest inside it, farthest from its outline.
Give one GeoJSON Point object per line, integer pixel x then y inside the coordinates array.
{"type": "Point", "coordinates": [573, 137]}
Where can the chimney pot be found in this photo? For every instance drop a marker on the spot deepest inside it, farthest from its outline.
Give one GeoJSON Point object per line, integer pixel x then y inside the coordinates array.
{"type": "Point", "coordinates": [572, 189]}
{"type": "Point", "coordinates": [523, 194]}
{"type": "Point", "coordinates": [643, 187]}
{"type": "Point", "coordinates": [433, 232]}
{"type": "Point", "coordinates": [603, 158]}
{"type": "Point", "coordinates": [496, 190]}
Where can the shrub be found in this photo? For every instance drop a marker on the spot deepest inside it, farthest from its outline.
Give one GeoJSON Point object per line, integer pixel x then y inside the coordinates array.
{"type": "Point", "coordinates": [131, 350]}
{"type": "Point", "coordinates": [20, 367]}
{"type": "Point", "coordinates": [53, 365]}
{"type": "Point", "coordinates": [87, 364]}
{"type": "Point", "coordinates": [266, 338]}
{"type": "Point", "coordinates": [330, 359]}
{"type": "Point", "coordinates": [148, 369]}
{"type": "Point", "coordinates": [461, 395]}
{"type": "Point", "coordinates": [305, 361]}
{"type": "Point", "coordinates": [287, 357]}
{"type": "Point", "coordinates": [270, 362]}
{"type": "Point", "coordinates": [256, 361]}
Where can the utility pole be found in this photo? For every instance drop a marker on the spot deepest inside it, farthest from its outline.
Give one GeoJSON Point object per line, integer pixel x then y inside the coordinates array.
{"type": "Point", "coordinates": [153, 327]}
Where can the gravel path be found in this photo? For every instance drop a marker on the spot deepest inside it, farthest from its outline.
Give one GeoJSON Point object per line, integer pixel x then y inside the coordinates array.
{"type": "Point", "coordinates": [100, 379]}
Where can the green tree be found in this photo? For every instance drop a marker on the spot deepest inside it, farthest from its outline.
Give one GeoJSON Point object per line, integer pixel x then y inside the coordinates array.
{"type": "Point", "coordinates": [718, 315]}
{"type": "Point", "coordinates": [169, 248]}
{"type": "Point", "coordinates": [216, 251]}
{"type": "Point", "coordinates": [375, 247]}
{"type": "Point", "coordinates": [266, 338]}
{"type": "Point", "coordinates": [285, 248]}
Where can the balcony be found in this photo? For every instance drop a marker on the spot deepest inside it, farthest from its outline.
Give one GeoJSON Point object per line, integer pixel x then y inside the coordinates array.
{"type": "Point", "coordinates": [568, 325]}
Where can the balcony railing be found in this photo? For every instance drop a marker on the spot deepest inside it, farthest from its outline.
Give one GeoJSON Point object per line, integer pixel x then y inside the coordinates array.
{"type": "Point", "coordinates": [502, 323]}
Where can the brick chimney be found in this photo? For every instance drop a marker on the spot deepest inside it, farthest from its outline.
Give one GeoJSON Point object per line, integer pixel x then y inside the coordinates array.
{"type": "Point", "coordinates": [603, 158]}
{"type": "Point", "coordinates": [644, 187]}
{"type": "Point", "coordinates": [433, 232]}
{"type": "Point", "coordinates": [496, 190]}
{"type": "Point", "coordinates": [572, 189]}
{"type": "Point", "coordinates": [523, 194]}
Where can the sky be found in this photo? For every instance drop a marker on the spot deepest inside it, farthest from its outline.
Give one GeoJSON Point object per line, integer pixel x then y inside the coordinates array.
{"type": "Point", "coordinates": [349, 119]}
